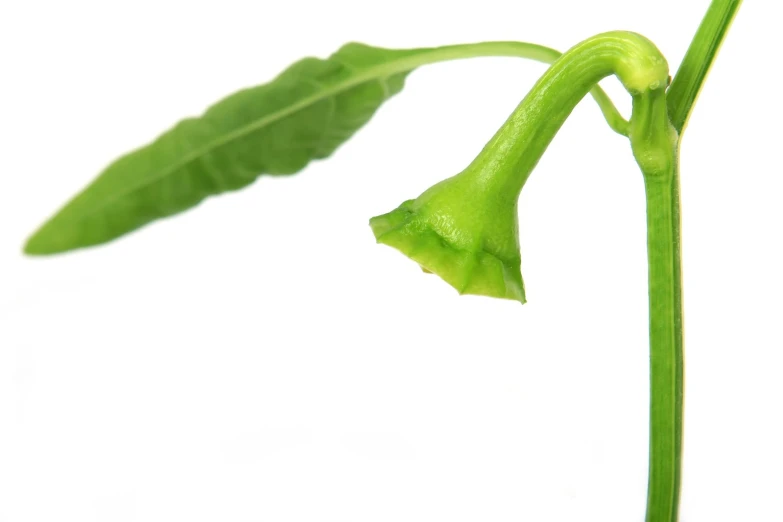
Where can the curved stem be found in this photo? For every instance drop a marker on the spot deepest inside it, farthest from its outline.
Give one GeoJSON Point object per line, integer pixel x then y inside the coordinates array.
{"type": "Point", "coordinates": [515, 150]}
{"type": "Point", "coordinates": [469, 220]}
{"type": "Point", "coordinates": [510, 156]}
{"type": "Point", "coordinates": [529, 51]}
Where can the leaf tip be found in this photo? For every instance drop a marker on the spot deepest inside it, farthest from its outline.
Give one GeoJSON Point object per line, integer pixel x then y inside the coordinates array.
{"type": "Point", "coordinates": [43, 243]}
{"type": "Point", "coordinates": [35, 247]}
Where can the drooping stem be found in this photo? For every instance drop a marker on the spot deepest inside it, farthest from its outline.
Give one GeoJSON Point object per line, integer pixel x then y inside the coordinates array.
{"type": "Point", "coordinates": [698, 59]}
{"type": "Point", "coordinates": [526, 50]}
{"type": "Point", "coordinates": [471, 217]}
{"type": "Point", "coordinates": [465, 228]}
{"type": "Point", "coordinates": [506, 161]}
{"type": "Point", "coordinates": [510, 156]}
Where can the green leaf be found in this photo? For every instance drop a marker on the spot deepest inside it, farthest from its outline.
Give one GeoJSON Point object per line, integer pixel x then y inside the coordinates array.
{"type": "Point", "coordinates": [698, 60]}
{"type": "Point", "coordinates": [278, 128]}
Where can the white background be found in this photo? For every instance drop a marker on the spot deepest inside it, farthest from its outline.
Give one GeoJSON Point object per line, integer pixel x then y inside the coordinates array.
{"type": "Point", "coordinates": [260, 359]}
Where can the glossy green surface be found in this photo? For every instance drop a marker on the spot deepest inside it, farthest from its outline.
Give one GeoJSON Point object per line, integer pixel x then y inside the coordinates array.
{"type": "Point", "coordinates": [464, 231]}
{"type": "Point", "coordinates": [465, 228]}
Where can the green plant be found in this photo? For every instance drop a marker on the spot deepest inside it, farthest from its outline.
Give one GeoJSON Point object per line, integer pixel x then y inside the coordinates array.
{"type": "Point", "coordinates": [465, 228]}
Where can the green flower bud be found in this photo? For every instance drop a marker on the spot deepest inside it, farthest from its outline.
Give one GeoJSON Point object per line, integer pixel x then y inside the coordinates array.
{"type": "Point", "coordinates": [462, 230]}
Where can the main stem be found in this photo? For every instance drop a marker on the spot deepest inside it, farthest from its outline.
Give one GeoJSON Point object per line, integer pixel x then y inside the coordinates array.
{"type": "Point", "coordinates": [655, 146]}
{"type": "Point", "coordinates": [665, 273]}
{"type": "Point", "coordinates": [666, 354]}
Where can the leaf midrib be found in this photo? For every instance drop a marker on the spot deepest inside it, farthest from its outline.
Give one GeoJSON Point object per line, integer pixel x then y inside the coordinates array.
{"type": "Point", "coordinates": [373, 73]}
{"type": "Point", "coordinates": [379, 72]}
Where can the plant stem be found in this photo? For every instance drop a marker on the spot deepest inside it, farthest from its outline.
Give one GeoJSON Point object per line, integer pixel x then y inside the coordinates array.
{"type": "Point", "coordinates": [526, 50]}
{"type": "Point", "coordinates": [698, 59]}
{"type": "Point", "coordinates": [664, 258]}
{"type": "Point", "coordinates": [666, 355]}
{"type": "Point", "coordinates": [465, 228]}
{"type": "Point", "coordinates": [655, 146]}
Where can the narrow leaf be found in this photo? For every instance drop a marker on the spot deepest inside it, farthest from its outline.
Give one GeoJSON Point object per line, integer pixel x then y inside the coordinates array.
{"type": "Point", "coordinates": [278, 128]}
{"type": "Point", "coordinates": [698, 59]}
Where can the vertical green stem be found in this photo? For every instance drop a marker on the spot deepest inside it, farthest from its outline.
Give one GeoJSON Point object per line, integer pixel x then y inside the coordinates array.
{"type": "Point", "coordinates": [664, 257]}
{"type": "Point", "coordinates": [666, 355]}
{"type": "Point", "coordinates": [655, 146]}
